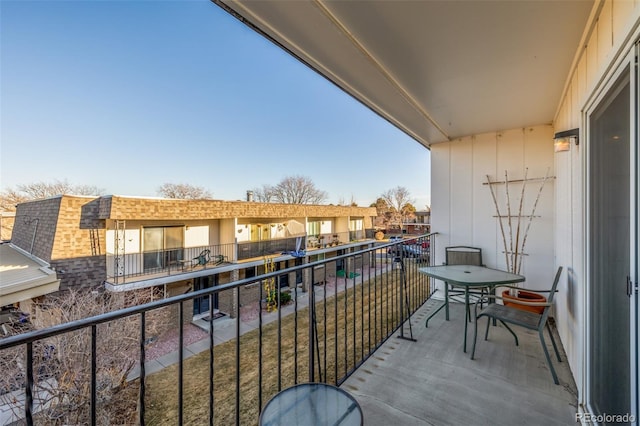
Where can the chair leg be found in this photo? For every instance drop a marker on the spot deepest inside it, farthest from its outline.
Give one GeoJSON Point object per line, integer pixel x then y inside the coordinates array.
{"type": "Point", "coordinates": [510, 331]}
{"type": "Point", "coordinates": [553, 342]}
{"type": "Point", "coordinates": [486, 332]}
{"type": "Point", "coordinates": [546, 354]}
{"type": "Point", "coordinates": [446, 300]}
{"type": "Point", "coordinates": [475, 336]}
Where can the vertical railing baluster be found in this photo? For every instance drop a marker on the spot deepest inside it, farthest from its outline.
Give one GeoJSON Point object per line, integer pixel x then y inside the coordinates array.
{"type": "Point", "coordinates": [324, 321]}
{"type": "Point", "coordinates": [279, 335]}
{"type": "Point", "coordinates": [180, 362]}
{"type": "Point", "coordinates": [387, 300]}
{"type": "Point", "coordinates": [346, 333]}
{"type": "Point", "coordinates": [355, 313]}
{"type": "Point", "coordinates": [335, 328]}
{"type": "Point", "coordinates": [260, 333]}
{"type": "Point", "coordinates": [143, 355]}
{"type": "Point", "coordinates": [94, 387]}
{"type": "Point", "coordinates": [295, 334]}
{"type": "Point", "coordinates": [375, 302]}
{"type": "Point", "coordinates": [29, 388]}
{"type": "Point", "coordinates": [369, 301]}
{"type": "Point", "coordinates": [211, 359]}
{"type": "Point", "coordinates": [237, 294]}
{"type": "Point", "coordinates": [312, 329]}
{"type": "Point", "coordinates": [362, 311]}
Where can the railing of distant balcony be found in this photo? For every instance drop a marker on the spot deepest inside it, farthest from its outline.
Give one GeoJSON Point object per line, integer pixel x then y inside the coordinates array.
{"type": "Point", "coordinates": [251, 249]}
{"type": "Point", "coordinates": [322, 335]}
{"type": "Point", "coordinates": [166, 262]}
{"type": "Point", "coordinates": [333, 239]}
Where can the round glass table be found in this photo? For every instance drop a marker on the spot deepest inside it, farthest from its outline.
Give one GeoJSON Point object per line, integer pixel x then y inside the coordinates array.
{"type": "Point", "coordinates": [312, 404]}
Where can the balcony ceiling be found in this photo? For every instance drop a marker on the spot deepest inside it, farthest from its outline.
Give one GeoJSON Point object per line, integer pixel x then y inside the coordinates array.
{"type": "Point", "coordinates": [437, 70]}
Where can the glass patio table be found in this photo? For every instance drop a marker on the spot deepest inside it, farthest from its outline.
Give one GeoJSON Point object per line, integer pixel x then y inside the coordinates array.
{"type": "Point", "coordinates": [315, 404]}
{"type": "Point", "coordinates": [468, 276]}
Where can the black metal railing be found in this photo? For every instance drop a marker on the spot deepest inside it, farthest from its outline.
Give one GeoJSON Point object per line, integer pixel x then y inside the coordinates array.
{"type": "Point", "coordinates": [334, 322]}
{"type": "Point", "coordinates": [332, 239]}
{"type": "Point", "coordinates": [252, 249]}
{"type": "Point", "coordinates": [167, 262]}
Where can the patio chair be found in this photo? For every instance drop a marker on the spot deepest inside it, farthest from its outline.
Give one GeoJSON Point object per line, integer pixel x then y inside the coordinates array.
{"type": "Point", "coordinates": [526, 319]}
{"type": "Point", "coordinates": [461, 255]}
{"type": "Point", "coordinates": [202, 259]}
{"type": "Point", "coordinates": [219, 259]}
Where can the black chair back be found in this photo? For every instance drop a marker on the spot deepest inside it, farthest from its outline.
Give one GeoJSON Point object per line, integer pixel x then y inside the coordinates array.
{"type": "Point", "coordinates": [463, 255]}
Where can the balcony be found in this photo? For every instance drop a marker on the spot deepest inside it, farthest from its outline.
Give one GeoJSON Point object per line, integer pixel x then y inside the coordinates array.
{"type": "Point", "coordinates": [343, 330]}
{"type": "Point", "coordinates": [132, 267]}
{"type": "Point", "coordinates": [432, 381]}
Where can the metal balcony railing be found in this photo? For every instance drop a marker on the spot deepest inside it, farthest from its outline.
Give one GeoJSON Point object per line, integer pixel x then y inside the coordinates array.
{"type": "Point", "coordinates": [122, 267]}
{"type": "Point", "coordinates": [345, 309]}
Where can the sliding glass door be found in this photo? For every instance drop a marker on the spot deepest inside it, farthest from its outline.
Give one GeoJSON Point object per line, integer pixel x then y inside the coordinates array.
{"type": "Point", "coordinates": [163, 246]}
{"type": "Point", "coordinates": [612, 247]}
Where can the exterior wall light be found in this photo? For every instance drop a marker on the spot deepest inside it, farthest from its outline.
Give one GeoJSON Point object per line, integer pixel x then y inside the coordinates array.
{"type": "Point", "coordinates": [562, 140]}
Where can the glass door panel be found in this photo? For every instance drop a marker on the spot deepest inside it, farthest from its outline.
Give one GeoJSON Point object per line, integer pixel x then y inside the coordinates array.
{"type": "Point", "coordinates": [153, 242]}
{"type": "Point", "coordinates": [610, 248]}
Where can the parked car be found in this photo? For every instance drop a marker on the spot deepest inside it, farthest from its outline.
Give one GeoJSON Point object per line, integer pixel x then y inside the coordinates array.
{"type": "Point", "coordinates": [407, 251]}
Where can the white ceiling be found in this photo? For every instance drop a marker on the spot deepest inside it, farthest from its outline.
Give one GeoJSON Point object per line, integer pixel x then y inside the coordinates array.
{"type": "Point", "coordinates": [436, 69]}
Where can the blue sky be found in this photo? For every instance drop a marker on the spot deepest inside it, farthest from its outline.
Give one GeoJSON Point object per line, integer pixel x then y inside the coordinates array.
{"type": "Point", "coordinates": [128, 95]}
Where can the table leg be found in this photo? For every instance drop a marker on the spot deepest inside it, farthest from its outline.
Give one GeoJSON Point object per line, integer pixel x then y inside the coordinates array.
{"type": "Point", "coordinates": [426, 324]}
{"type": "Point", "coordinates": [466, 308]}
{"type": "Point", "coordinates": [444, 305]}
{"type": "Point", "coordinates": [446, 299]}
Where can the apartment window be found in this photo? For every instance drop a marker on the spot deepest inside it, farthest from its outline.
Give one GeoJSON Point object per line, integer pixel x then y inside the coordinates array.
{"type": "Point", "coordinates": [162, 246]}
{"type": "Point", "coordinates": [314, 228]}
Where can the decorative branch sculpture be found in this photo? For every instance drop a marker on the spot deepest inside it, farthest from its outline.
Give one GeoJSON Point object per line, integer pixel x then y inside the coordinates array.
{"type": "Point", "coordinates": [514, 248]}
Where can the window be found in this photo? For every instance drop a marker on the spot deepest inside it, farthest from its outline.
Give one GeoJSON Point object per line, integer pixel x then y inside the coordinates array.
{"type": "Point", "coordinates": [162, 246]}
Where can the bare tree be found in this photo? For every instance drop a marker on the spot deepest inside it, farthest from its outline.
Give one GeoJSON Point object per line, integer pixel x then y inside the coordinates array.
{"type": "Point", "coordinates": [265, 194]}
{"type": "Point", "coordinates": [400, 204]}
{"type": "Point", "coordinates": [9, 198]}
{"type": "Point", "coordinates": [62, 363]}
{"type": "Point", "coordinates": [38, 190]}
{"type": "Point", "coordinates": [352, 203]}
{"type": "Point", "coordinates": [296, 190]}
{"type": "Point", "coordinates": [183, 191]}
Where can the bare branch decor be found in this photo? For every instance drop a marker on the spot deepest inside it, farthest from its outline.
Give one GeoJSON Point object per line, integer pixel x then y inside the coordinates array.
{"type": "Point", "coordinates": [515, 243]}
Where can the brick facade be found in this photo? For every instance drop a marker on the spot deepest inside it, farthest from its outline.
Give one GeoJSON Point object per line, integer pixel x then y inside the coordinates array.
{"type": "Point", "coordinates": [65, 232]}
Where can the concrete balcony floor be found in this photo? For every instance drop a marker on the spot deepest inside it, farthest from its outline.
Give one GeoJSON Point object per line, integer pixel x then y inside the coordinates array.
{"type": "Point", "coordinates": [433, 382]}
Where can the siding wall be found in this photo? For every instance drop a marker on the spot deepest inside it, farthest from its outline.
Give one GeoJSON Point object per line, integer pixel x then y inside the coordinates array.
{"type": "Point", "coordinates": [607, 41]}
{"type": "Point", "coordinates": [463, 208]}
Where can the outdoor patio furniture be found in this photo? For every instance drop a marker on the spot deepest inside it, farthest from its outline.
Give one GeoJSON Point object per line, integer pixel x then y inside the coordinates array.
{"type": "Point", "coordinates": [202, 259]}
{"type": "Point", "coordinates": [463, 255]}
{"type": "Point", "coordinates": [526, 319]}
{"type": "Point", "coordinates": [312, 403]}
{"type": "Point", "coordinates": [459, 255]}
{"type": "Point", "coordinates": [469, 277]}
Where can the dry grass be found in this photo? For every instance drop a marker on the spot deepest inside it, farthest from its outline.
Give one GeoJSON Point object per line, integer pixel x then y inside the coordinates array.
{"type": "Point", "coordinates": [356, 321]}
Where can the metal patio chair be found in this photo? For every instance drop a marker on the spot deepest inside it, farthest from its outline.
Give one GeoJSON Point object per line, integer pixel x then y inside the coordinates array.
{"type": "Point", "coordinates": [461, 255]}
{"type": "Point", "coordinates": [202, 259]}
{"type": "Point", "coordinates": [526, 319]}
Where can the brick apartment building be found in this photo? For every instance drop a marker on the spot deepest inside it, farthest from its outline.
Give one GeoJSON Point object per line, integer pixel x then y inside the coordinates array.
{"type": "Point", "coordinates": [127, 243]}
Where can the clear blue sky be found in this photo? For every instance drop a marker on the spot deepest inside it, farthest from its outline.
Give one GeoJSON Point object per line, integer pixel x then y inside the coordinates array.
{"type": "Point", "coordinates": [128, 95]}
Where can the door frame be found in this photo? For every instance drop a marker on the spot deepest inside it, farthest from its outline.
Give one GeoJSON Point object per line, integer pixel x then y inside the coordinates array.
{"type": "Point", "coordinates": [628, 64]}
